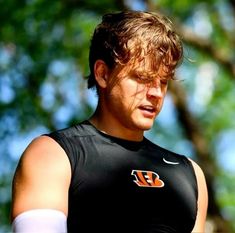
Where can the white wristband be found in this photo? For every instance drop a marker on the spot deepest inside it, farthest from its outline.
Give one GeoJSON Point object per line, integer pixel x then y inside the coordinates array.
{"type": "Point", "coordinates": [40, 220]}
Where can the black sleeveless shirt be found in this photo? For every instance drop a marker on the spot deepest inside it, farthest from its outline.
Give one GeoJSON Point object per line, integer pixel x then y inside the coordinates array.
{"type": "Point", "coordinates": [125, 186]}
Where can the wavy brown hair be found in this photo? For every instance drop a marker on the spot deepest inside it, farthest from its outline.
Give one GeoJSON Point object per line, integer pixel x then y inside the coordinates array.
{"type": "Point", "coordinates": [126, 36]}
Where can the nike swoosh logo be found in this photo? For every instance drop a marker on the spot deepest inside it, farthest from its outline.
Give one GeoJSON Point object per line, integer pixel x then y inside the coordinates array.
{"type": "Point", "coordinates": [169, 162]}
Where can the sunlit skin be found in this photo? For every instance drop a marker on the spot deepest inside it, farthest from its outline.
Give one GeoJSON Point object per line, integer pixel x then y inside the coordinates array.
{"type": "Point", "coordinates": [129, 107]}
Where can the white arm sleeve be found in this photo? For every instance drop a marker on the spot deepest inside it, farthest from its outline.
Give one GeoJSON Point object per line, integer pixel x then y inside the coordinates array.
{"type": "Point", "coordinates": [40, 220]}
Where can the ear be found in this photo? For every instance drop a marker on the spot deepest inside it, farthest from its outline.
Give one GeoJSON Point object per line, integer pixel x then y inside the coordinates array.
{"type": "Point", "coordinates": [101, 73]}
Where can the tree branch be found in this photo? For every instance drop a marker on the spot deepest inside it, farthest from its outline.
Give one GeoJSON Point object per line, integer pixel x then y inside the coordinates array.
{"type": "Point", "coordinates": [207, 47]}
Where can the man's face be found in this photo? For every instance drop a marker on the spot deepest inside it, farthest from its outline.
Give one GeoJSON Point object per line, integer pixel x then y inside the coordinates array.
{"type": "Point", "coordinates": [137, 96]}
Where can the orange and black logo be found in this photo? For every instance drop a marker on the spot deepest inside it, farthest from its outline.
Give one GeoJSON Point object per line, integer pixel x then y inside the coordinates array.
{"type": "Point", "coordinates": [147, 179]}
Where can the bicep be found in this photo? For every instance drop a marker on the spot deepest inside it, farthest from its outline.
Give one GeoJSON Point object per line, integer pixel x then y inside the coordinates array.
{"type": "Point", "coordinates": [202, 200]}
{"type": "Point", "coordinates": [42, 178]}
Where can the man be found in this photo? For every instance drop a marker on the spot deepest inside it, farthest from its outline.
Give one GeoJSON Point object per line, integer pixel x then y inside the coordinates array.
{"type": "Point", "coordinates": [103, 174]}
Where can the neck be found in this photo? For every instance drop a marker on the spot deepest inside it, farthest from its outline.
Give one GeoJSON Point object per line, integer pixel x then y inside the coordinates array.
{"type": "Point", "coordinates": [112, 127]}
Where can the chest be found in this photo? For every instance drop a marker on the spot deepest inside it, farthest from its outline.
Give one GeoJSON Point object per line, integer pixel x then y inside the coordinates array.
{"type": "Point", "coordinates": [113, 172]}
{"type": "Point", "coordinates": [145, 185]}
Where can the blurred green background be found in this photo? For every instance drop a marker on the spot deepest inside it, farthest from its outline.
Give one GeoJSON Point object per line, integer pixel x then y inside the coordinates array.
{"type": "Point", "coordinates": [44, 59]}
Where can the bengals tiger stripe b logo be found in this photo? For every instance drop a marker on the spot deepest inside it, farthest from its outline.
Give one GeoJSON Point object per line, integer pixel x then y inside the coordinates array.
{"type": "Point", "coordinates": [147, 179]}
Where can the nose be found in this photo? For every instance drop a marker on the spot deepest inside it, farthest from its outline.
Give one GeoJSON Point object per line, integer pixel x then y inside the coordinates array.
{"type": "Point", "coordinates": [155, 91]}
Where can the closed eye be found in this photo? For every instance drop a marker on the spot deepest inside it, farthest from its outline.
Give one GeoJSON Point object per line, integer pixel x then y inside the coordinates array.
{"type": "Point", "coordinates": [164, 81]}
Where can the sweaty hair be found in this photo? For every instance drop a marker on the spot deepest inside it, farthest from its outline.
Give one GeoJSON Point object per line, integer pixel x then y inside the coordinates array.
{"type": "Point", "coordinates": [129, 35]}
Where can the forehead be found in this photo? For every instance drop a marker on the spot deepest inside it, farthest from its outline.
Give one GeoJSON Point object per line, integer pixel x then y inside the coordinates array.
{"type": "Point", "coordinates": [141, 64]}
{"type": "Point", "coordinates": [146, 67]}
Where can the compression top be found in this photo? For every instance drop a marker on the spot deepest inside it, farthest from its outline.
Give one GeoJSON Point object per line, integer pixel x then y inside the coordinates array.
{"type": "Point", "coordinates": [124, 186]}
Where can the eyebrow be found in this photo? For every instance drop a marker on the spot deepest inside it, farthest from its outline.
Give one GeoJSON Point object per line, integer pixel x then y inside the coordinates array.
{"type": "Point", "coordinates": [150, 74]}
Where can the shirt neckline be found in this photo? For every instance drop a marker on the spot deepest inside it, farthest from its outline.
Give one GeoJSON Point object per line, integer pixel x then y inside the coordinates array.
{"type": "Point", "coordinates": [128, 144]}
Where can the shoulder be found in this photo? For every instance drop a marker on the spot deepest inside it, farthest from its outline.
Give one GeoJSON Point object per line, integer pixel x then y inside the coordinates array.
{"type": "Point", "coordinates": [42, 177]}
{"type": "Point", "coordinates": [202, 198]}
{"type": "Point", "coordinates": [42, 149]}
{"type": "Point", "coordinates": [201, 180]}
{"type": "Point", "coordinates": [198, 171]}
{"type": "Point", "coordinates": [81, 129]}
{"type": "Point", "coordinates": [41, 158]}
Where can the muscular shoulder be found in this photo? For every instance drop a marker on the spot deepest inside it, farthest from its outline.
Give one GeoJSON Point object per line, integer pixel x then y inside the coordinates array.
{"type": "Point", "coordinates": [198, 171]}
{"type": "Point", "coordinates": [42, 177]}
{"type": "Point", "coordinates": [202, 198]}
{"type": "Point", "coordinates": [43, 151]}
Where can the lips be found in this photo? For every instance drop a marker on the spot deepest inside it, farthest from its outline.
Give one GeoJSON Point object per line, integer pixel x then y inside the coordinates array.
{"type": "Point", "coordinates": [148, 110]}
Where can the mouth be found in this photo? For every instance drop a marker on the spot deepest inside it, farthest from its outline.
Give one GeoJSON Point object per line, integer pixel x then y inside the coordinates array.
{"type": "Point", "coordinates": [148, 111]}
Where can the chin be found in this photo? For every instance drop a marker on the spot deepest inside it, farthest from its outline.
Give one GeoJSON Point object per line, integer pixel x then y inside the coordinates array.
{"type": "Point", "coordinates": [146, 124]}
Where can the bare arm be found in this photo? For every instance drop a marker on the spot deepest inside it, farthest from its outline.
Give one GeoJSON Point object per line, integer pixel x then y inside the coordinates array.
{"type": "Point", "coordinates": [42, 178]}
{"type": "Point", "coordinates": [199, 226]}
